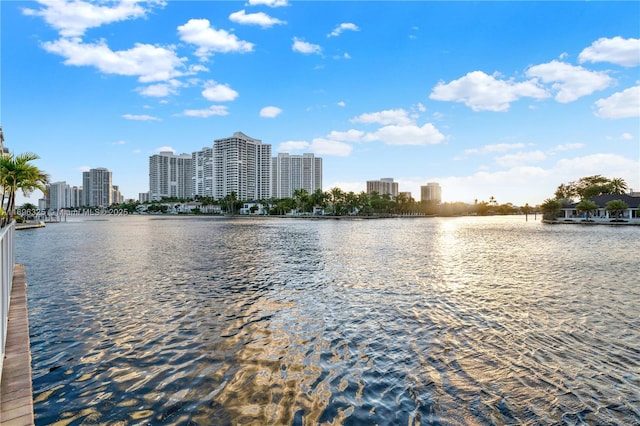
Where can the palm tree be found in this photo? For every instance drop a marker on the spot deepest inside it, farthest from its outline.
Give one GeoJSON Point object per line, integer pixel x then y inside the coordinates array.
{"type": "Point", "coordinates": [550, 208]}
{"type": "Point", "coordinates": [302, 199]}
{"type": "Point", "coordinates": [618, 186]}
{"type": "Point", "coordinates": [337, 197]}
{"type": "Point", "coordinates": [16, 173]}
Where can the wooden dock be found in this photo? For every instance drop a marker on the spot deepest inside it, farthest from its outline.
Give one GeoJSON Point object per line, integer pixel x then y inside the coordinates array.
{"type": "Point", "coordinates": [16, 389]}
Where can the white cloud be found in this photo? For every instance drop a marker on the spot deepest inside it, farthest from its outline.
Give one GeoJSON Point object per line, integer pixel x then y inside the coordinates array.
{"type": "Point", "coordinates": [568, 146]}
{"type": "Point", "coordinates": [73, 18]}
{"type": "Point", "coordinates": [160, 90]}
{"type": "Point", "coordinates": [482, 92]}
{"type": "Point", "coordinates": [165, 149]}
{"type": "Point", "coordinates": [616, 50]}
{"type": "Point", "coordinates": [406, 135]}
{"type": "Point", "coordinates": [289, 146]}
{"type": "Point", "coordinates": [570, 82]}
{"type": "Point", "coordinates": [319, 146]}
{"type": "Point", "coordinates": [216, 92]}
{"type": "Point", "coordinates": [270, 112]}
{"type": "Point", "coordinates": [84, 168]}
{"type": "Point", "coordinates": [209, 40]}
{"type": "Point", "coordinates": [520, 159]}
{"type": "Point", "coordinates": [351, 135]}
{"type": "Point", "coordinates": [270, 3]}
{"type": "Point", "coordinates": [498, 147]}
{"type": "Point", "coordinates": [302, 46]}
{"type": "Point", "coordinates": [626, 136]}
{"type": "Point", "coordinates": [150, 63]}
{"type": "Point", "coordinates": [390, 116]}
{"type": "Point", "coordinates": [220, 110]}
{"type": "Point", "coordinates": [329, 147]}
{"type": "Point", "coordinates": [526, 184]}
{"type": "Point", "coordinates": [346, 26]}
{"type": "Point", "coordinates": [625, 104]}
{"type": "Point", "coordinates": [609, 165]}
{"type": "Point", "coordinates": [260, 18]}
{"type": "Point", "coordinates": [119, 143]}
{"type": "Point", "coordinates": [142, 117]}
{"type": "Point", "coordinates": [342, 104]}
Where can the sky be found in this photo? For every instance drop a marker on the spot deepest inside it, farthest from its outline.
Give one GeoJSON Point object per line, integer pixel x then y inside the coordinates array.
{"type": "Point", "coordinates": [489, 99]}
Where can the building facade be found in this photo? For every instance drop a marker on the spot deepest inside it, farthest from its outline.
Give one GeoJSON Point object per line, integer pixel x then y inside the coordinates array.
{"type": "Point", "coordinates": [241, 165]}
{"type": "Point", "coordinates": [170, 175]}
{"type": "Point", "coordinates": [202, 173]}
{"type": "Point", "coordinates": [431, 192]}
{"type": "Point", "coordinates": [291, 172]}
{"type": "Point", "coordinates": [383, 186]}
{"type": "Point", "coordinates": [59, 195]}
{"type": "Point", "coordinates": [75, 197]}
{"type": "Point", "coordinates": [97, 188]}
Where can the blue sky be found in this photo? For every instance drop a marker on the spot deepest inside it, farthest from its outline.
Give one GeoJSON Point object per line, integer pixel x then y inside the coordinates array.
{"type": "Point", "coordinates": [502, 99]}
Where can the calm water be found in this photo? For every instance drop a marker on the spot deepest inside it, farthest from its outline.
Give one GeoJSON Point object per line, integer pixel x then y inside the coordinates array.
{"type": "Point", "coordinates": [462, 321]}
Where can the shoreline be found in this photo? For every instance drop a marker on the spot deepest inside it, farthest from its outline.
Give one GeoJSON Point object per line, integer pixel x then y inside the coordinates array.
{"type": "Point", "coordinates": [590, 223]}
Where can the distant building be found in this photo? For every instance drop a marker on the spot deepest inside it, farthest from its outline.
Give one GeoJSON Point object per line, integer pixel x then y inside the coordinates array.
{"type": "Point", "coordinates": [406, 195]}
{"type": "Point", "coordinates": [291, 172]}
{"type": "Point", "coordinates": [170, 176]}
{"type": "Point", "coordinates": [431, 192]}
{"type": "Point", "coordinates": [59, 195]}
{"type": "Point", "coordinates": [75, 197]}
{"type": "Point", "coordinates": [97, 188]}
{"type": "Point", "coordinates": [116, 196]}
{"type": "Point", "coordinates": [143, 197]}
{"type": "Point", "coordinates": [383, 186]}
{"type": "Point", "coordinates": [241, 165]}
{"type": "Point", "coordinates": [202, 172]}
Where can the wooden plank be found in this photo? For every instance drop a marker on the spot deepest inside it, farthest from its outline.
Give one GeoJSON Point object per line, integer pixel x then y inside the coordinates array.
{"type": "Point", "coordinates": [16, 388]}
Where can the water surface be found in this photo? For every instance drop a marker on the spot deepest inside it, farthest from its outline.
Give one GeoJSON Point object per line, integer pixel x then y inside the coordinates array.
{"type": "Point", "coordinates": [460, 321]}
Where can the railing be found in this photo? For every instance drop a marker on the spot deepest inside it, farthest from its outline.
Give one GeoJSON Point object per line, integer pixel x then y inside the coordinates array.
{"type": "Point", "coordinates": [7, 262]}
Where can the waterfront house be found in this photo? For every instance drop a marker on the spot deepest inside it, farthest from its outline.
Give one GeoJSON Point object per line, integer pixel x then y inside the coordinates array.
{"type": "Point", "coordinates": [632, 213]}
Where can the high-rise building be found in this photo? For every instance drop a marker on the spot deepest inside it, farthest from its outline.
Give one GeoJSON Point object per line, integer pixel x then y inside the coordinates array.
{"type": "Point", "coordinates": [75, 197]}
{"type": "Point", "coordinates": [383, 186]}
{"type": "Point", "coordinates": [202, 174]}
{"type": "Point", "coordinates": [431, 192]}
{"type": "Point", "coordinates": [59, 195]}
{"type": "Point", "coordinates": [241, 165]}
{"type": "Point", "coordinates": [116, 196]}
{"type": "Point", "coordinates": [97, 188]}
{"type": "Point", "coordinates": [291, 172]}
{"type": "Point", "coordinates": [170, 176]}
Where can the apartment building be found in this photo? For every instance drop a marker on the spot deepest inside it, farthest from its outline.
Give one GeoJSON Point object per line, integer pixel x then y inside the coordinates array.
{"type": "Point", "coordinates": [202, 173]}
{"type": "Point", "coordinates": [291, 172]}
{"type": "Point", "coordinates": [383, 186]}
{"type": "Point", "coordinates": [431, 192]}
{"type": "Point", "coordinates": [241, 165]}
{"type": "Point", "coordinates": [170, 175]}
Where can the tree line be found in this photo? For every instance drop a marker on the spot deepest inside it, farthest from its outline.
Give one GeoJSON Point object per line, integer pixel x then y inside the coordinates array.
{"type": "Point", "coordinates": [583, 190]}
{"type": "Point", "coordinates": [337, 202]}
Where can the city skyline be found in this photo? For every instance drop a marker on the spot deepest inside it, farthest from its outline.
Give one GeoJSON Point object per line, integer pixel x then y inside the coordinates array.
{"type": "Point", "coordinates": [489, 99]}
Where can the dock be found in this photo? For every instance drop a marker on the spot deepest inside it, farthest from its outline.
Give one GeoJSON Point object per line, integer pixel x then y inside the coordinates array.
{"type": "Point", "coordinates": [29, 225]}
{"type": "Point", "coordinates": [16, 389]}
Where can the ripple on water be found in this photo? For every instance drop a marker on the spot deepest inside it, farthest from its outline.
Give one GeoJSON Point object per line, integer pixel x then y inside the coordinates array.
{"type": "Point", "coordinates": [439, 321]}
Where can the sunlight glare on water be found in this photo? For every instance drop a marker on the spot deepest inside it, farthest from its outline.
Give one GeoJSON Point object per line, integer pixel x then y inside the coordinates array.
{"type": "Point", "coordinates": [456, 321]}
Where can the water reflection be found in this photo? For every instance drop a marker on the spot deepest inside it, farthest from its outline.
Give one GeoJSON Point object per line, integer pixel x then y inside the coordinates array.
{"type": "Point", "coordinates": [456, 321]}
